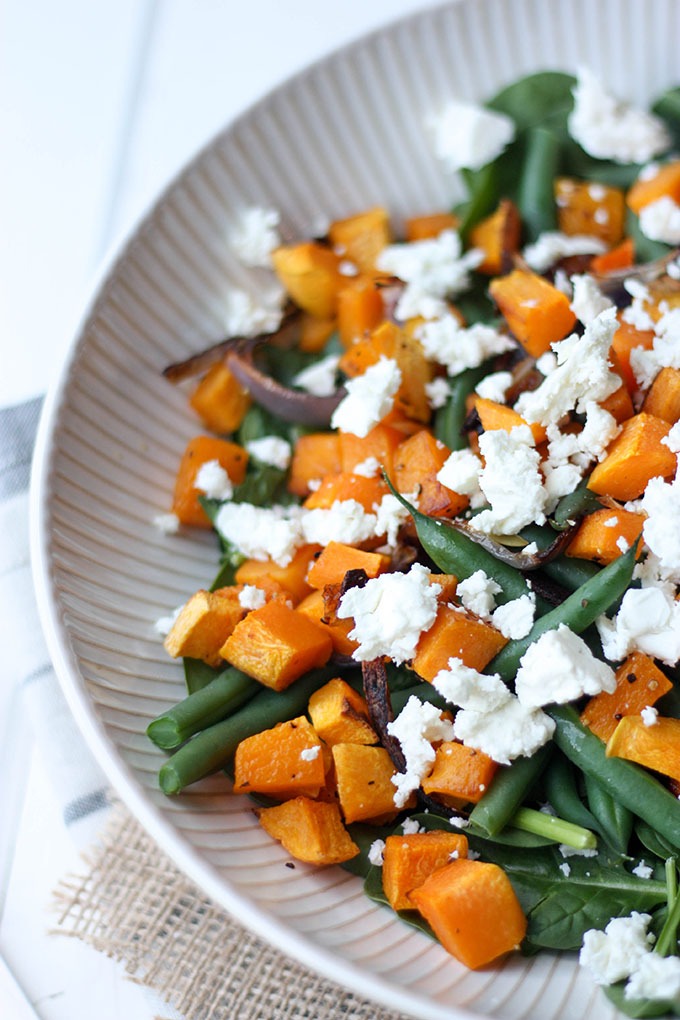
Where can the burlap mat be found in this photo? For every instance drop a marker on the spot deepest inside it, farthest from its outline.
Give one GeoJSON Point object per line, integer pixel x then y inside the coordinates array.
{"type": "Point", "coordinates": [133, 904]}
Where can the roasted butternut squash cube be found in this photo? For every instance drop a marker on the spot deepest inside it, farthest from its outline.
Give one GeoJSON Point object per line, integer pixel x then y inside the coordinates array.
{"type": "Point", "coordinates": [204, 623]}
{"type": "Point", "coordinates": [626, 339]}
{"type": "Point", "coordinates": [199, 451]}
{"type": "Point", "coordinates": [220, 400]}
{"type": "Point", "coordinates": [448, 584]}
{"type": "Point", "coordinates": [473, 910]}
{"type": "Point", "coordinates": [340, 714]}
{"type": "Point", "coordinates": [314, 607]}
{"type": "Point", "coordinates": [361, 238]}
{"type": "Point", "coordinates": [276, 645]}
{"type": "Point", "coordinates": [493, 415]}
{"type": "Point", "coordinates": [408, 860]}
{"type": "Point", "coordinates": [346, 485]}
{"type": "Point", "coordinates": [584, 207]}
{"type": "Point", "coordinates": [275, 579]}
{"type": "Point", "coordinates": [621, 256]}
{"type": "Point", "coordinates": [537, 313]}
{"type": "Point", "coordinates": [315, 333]}
{"type": "Point", "coordinates": [602, 534]}
{"type": "Point", "coordinates": [310, 274]}
{"type": "Point", "coordinates": [335, 559]}
{"type": "Point", "coordinates": [498, 236]}
{"type": "Point", "coordinates": [639, 682]}
{"type": "Point", "coordinates": [364, 780]}
{"type": "Point", "coordinates": [663, 396]}
{"type": "Point", "coordinates": [284, 761]}
{"type": "Point", "coordinates": [315, 456]}
{"type": "Point", "coordinates": [633, 458]}
{"type": "Point", "coordinates": [429, 225]}
{"type": "Point", "coordinates": [655, 747]}
{"type": "Point", "coordinates": [648, 188]}
{"type": "Point", "coordinates": [381, 442]}
{"type": "Point", "coordinates": [360, 309]}
{"type": "Point", "coordinates": [310, 830]}
{"type": "Point", "coordinates": [456, 634]}
{"type": "Point", "coordinates": [460, 774]}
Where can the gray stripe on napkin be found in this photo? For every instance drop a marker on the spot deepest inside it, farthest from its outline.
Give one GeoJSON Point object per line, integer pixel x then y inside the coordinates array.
{"type": "Point", "coordinates": [80, 807]}
{"type": "Point", "coordinates": [18, 426]}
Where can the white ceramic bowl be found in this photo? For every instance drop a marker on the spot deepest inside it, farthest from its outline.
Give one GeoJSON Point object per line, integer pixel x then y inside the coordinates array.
{"type": "Point", "coordinates": [341, 136]}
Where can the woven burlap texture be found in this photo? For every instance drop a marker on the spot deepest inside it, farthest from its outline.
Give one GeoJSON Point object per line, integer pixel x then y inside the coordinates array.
{"type": "Point", "coordinates": [132, 904]}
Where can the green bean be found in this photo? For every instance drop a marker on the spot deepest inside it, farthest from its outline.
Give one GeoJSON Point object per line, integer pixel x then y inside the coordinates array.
{"type": "Point", "coordinates": [423, 691]}
{"type": "Point", "coordinates": [560, 788]}
{"type": "Point", "coordinates": [625, 781]}
{"type": "Point", "coordinates": [482, 198]}
{"type": "Point", "coordinates": [213, 748]}
{"type": "Point", "coordinates": [615, 821]}
{"type": "Point", "coordinates": [535, 198]}
{"type": "Point", "coordinates": [448, 421]}
{"type": "Point", "coordinates": [197, 674]}
{"type": "Point", "coordinates": [510, 787]}
{"type": "Point", "coordinates": [553, 827]}
{"type": "Point", "coordinates": [578, 611]}
{"type": "Point", "coordinates": [210, 704]}
{"type": "Point", "coordinates": [569, 572]}
{"type": "Point", "coordinates": [579, 503]}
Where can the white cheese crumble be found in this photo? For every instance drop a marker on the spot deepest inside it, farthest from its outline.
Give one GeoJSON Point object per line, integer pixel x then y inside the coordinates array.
{"type": "Point", "coordinates": [609, 129]}
{"type": "Point", "coordinates": [368, 468]}
{"type": "Point", "coordinates": [245, 315]}
{"type": "Point", "coordinates": [508, 732]}
{"type": "Point", "coordinates": [648, 620]}
{"type": "Point", "coordinates": [261, 533]}
{"type": "Point", "coordinates": [167, 524]}
{"type": "Point", "coordinates": [213, 480]}
{"type": "Point", "coordinates": [516, 618]}
{"type": "Point", "coordinates": [252, 597]}
{"type": "Point", "coordinates": [273, 450]}
{"type": "Point", "coordinates": [390, 514]}
{"type": "Point", "coordinates": [494, 386]}
{"type": "Point", "coordinates": [460, 472]}
{"type": "Point", "coordinates": [654, 977]}
{"type": "Point", "coordinates": [642, 870]}
{"type": "Point", "coordinates": [375, 853]}
{"type": "Point", "coordinates": [588, 300]}
{"type": "Point", "coordinates": [613, 954]}
{"type": "Point", "coordinates": [551, 246]}
{"type": "Point", "coordinates": [565, 868]}
{"type": "Point", "coordinates": [468, 689]}
{"type": "Point", "coordinates": [164, 624]}
{"type": "Point", "coordinates": [438, 392]}
{"type": "Point", "coordinates": [457, 347]}
{"type": "Point", "coordinates": [660, 220]}
{"type": "Point", "coordinates": [345, 521]}
{"type": "Point", "coordinates": [511, 480]}
{"type": "Point", "coordinates": [310, 753]}
{"type": "Point", "coordinates": [569, 454]}
{"type": "Point", "coordinates": [416, 727]}
{"type": "Point", "coordinates": [319, 378]}
{"type": "Point", "coordinates": [255, 236]}
{"type": "Point", "coordinates": [390, 613]}
{"type": "Point", "coordinates": [432, 269]}
{"type": "Point", "coordinates": [369, 398]}
{"type": "Point", "coordinates": [410, 826]}
{"type": "Point", "coordinates": [559, 667]}
{"type": "Point", "coordinates": [665, 352]}
{"type": "Point", "coordinates": [477, 594]}
{"type": "Point", "coordinates": [469, 136]}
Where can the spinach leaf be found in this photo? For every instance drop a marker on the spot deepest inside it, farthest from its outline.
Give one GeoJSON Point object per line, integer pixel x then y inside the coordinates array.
{"type": "Point", "coordinates": [668, 107]}
{"type": "Point", "coordinates": [640, 1007]}
{"type": "Point", "coordinates": [197, 674]}
{"type": "Point", "coordinates": [544, 98]}
{"type": "Point", "coordinates": [652, 841]}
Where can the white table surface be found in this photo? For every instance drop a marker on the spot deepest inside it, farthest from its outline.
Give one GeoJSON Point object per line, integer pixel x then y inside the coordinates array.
{"type": "Point", "coordinates": [101, 103]}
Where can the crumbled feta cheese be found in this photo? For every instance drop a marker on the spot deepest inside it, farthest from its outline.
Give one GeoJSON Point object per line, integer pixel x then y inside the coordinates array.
{"type": "Point", "coordinates": [251, 597]}
{"type": "Point", "coordinates": [345, 521]}
{"type": "Point", "coordinates": [167, 524]}
{"type": "Point", "coordinates": [672, 440]}
{"type": "Point", "coordinates": [456, 347]}
{"type": "Point", "coordinates": [261, 533]}
{"type": "Point", "coordinates": [319, 378]}
{"type": "Point", "coordinates": [649, 715]}
{"type": "Point", "coordinates": [271, 450]}
{"type": "Point", "coordinates": [582, 376]}
{"type": "Point", "coordinates": [565, 868]}
{"type": "Point", "coordinates": [572, 851]}
{"type": "Point", "coordinates": [369, 398]}
{"type": "Point", "coordinates": [368, 468]}
{"type": "Point", "coordinates": [551, 246]}
{"type": "Point", "coordinates": [375, 852]}
{"type": "Point", "coordinates": [310, 753]}
{"type": "Point", "coordinates": [516, 618]}
{"type": "Point", "coordinates": [460, 472]}
{"type": "Point", "coordinates": [245, 315]}
{"type": "Point", "coordinates": [642, 870]}
{"type": "Point", "coordinates": [665, 351]}
{"type": "Point", "coordinates": [390, 514]}
{"type": "Point", "coordinates": [477, 594]}
{"type": "Point", "coordinates": [494, 386]}
{"type": "Point", "coordinates": [432, 269]}
{"type": "Point", "coordinates": [609, 129]}
{"type": "Point", "coordinates": [410, 826]}
{"type": "Point", "coordinates": [438, 392]}
{"type": "Point", "coordinates": [654, 977]}
{"type": "Point", "coordinates": [213, 480]}
{"type": "Point", "coordinates": [648, 620]}
{"type": "Point", "coordinates": [164, 624]}
{"type": "Point", "coordinates": [416, 727]}
{"type": "Point", "coordinates": [570, 454]}
{"type": "Point", "coordinates": [468, 689]}
{"type": "Point", "coordinates": [510, 731]}
{"type": "Point", "coordinates": [347, 268]}
{"type": "Point", "coordinates": [613, 954]}
{"type": "Point", "coordinates": [559, 667]}
{"type": "Point", "coordinates": [660, 220]}
{"type": "Point", "coordinates": [547, 363]}
{"type": "Point", "coordinates": [390, 613]}
{"type": "Point", "coordinates": [622, 544]}
{"type": "Point", "coordinates": [511, 480]}
{"type": "Point", "coordinates": [469, 136]}
{"type": "Point", "coordinates": [636, 313]}
{"type": "Point", "coordinates": [611, 522]}
{"type": "Point", "coordinates": [588, 300]}
{"type": "Point", "coordinates": [255, 236]}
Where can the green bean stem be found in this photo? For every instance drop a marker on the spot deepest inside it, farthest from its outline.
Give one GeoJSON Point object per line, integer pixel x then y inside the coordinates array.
{"type": "Point", "coordinates": [205, 707]}
{"type": "Point", "coordinates": [553, 827]}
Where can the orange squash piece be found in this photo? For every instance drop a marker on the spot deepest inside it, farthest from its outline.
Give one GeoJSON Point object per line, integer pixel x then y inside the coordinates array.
{"type": "Point", "coordinates": [284, 761]}
{"type": "Point", "coordinates": [408, 860]}
{"type": "Point", "coordinates": [473, 910]}
{"type": "Point", "coordinates": [346, 485]}
{"type": "Point", "coordinates": [655, 747]}
{"type": "Point", "coordinates": [422, 228]}
{"type": "Point", "coordinates": [663, 396]}
{"type": "Point", "coordinates": [584, 207]}
{"type": "Point", "coordinates": [315, 333]}
{"type": "Point", "coordinates": [460, 774]}
{"type": "Point", "coordinates": [622, 256]}
{"type": "Point", "coordinates": [314, 456]}
{"type": "Point", "coordinates": [276, 645]}
{"type": "Point", "coordinates": [665, 182]}
{"type": "Point", "coordinates": [220, 400]}
{"type": "Point", "coordinates": [381, 442]}
{"type": "Point", "coordinates": [310, 830]}
{"type": "Point", "coordinates": [205, 622]}
{"type": "Point", "coordinates": [291, 579]}
{"type": "Point", "coordinates": [639, 682]}
{"type": "Point", "coordinates": [619, 404]}
{"type": "Point", "coordinates": [626, 338]}
{"type": "Point", "coordinates": [456, 634]}
{"type": "Point", "coordinates": [537, 313]}
{"type": "Point", "coordinates": [339, 714]}
{"type": "Point", "coordinates": [313, 606]}
{"type": "Point", "coordinates": [360, 309]}
{"type": "Point", "coordinates": [598, 534]}
{"type": "Point", "coordinates": [361, 238]}
{"type": "Point", "coordinates": [335, 559]}
{"type": "Point", "coordinates": [416, 464]}
{"type": "Point", "coordinates": [364, 780]}
{"type": "Point", "coordinates": [493, 415]}
{"type": "Point", "coordinates": [498, 236]}
{"type": "Point", "coordinates": [633, 458]}
{"type": "Point", "coordinates": [311, 276]}
{"type": "Point", "coordinates": [448, 584]}
{"type": "Point", "coordinates": [201, 449]}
